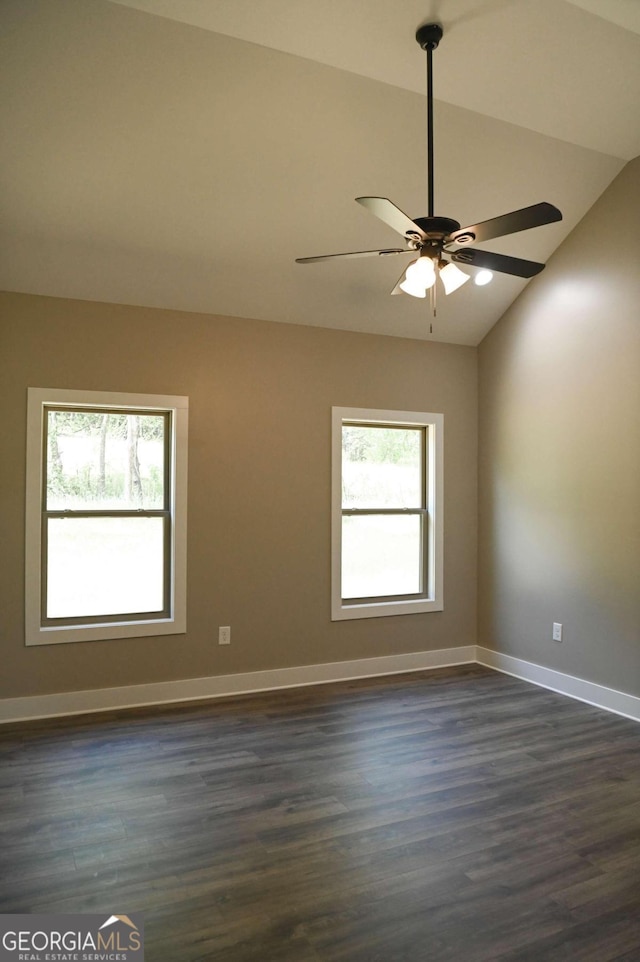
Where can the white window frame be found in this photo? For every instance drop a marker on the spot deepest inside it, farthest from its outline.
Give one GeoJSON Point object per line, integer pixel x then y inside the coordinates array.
{"type": "Point", "coordinates": [433, 601]}
{"type": "Point", "coordinates": [36, 633]}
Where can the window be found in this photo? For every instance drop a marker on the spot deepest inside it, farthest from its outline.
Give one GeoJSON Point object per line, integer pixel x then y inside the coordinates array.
{"type": "Point", "coordinates": [106, 516]}
{"type": "Point", "coordinates": [387, 513]}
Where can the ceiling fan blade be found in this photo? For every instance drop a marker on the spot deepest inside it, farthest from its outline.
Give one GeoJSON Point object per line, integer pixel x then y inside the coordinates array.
{"type": "Point", "coordinates": [497, 262]}
{"type": "Point", "coordinates": [382, 208]}
{"type": "Point", "coordinates": [396, 289]}
{"type": "Point", "coordinates": [535, 216]}
{"type": "Point", "coordinates": [328, 257]}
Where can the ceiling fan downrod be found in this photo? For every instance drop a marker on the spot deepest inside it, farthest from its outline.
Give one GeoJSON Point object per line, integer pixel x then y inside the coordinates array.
{"type": "Point", "coordinates": [429, 36]}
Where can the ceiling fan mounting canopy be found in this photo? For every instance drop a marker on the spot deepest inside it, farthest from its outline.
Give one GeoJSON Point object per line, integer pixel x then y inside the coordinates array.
{"type": "Point", "coordinates": [429, 35]}
{"type": "Point", "coordinates": [432, 236]}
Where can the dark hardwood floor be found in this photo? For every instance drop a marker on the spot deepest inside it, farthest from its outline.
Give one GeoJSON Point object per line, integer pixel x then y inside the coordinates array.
{"type": "Point", "coordinates": [457, 815]}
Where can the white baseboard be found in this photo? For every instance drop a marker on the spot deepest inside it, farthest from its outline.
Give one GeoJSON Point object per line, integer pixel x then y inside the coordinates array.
{"type": "Point", "coordinates": [219, 686]}
{"type": "Point", "coordinates": [588, 691]}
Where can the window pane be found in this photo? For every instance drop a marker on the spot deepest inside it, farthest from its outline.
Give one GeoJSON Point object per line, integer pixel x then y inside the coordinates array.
{"type": "Point", "coordinates": [381, 555]}
{"type": "Point", "coordinates": [104, 566]}
{"type": "Point", "coordinates": [105, 460]}
{"type": "Point", "coordinates": [382, 467]}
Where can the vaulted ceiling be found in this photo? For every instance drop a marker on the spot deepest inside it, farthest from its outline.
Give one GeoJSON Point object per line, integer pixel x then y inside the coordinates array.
{"type": "Point", "coordinates": [181, 154]}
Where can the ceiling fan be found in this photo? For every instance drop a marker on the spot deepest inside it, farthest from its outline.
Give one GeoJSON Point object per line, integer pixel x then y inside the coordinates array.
{"type": "Point", "coordinates": [431, 237]}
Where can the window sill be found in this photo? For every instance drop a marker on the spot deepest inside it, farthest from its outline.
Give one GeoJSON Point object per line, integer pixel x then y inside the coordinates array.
{"type": "Point", "coordinates": [38, 635]}
{"type": "Point", "coordinates": [345, 612]}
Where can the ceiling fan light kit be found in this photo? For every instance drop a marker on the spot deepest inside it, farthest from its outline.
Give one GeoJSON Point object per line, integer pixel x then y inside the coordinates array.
{"type": "Point", "coordinates": [431, 237]}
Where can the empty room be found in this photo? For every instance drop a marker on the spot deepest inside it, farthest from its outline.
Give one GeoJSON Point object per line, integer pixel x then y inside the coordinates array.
{"type": "Point", "coordinates": [320, 514]}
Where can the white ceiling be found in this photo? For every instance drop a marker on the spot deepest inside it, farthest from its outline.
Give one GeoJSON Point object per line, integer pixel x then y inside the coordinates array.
{"type": "Point", "coordinates": [183, 153]}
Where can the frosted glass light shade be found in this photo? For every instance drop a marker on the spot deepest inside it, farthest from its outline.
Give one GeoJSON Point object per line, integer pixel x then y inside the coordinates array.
{"type": "Point", "coordinates": [419, 277]}
{"type": "Point", "coordinates": [483, 277]}
{"type": "Point", "coordinates": [415, 288]}
{"type": "Point", "coordinates": [452, 278]}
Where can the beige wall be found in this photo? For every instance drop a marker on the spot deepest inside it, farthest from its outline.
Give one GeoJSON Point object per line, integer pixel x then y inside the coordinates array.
{"type": "Point", "coordinates": [559, 472]}
{"type": "Point", "coordinates": [559, 459]}
{"type": "Point", "coordinates": [259, 482]}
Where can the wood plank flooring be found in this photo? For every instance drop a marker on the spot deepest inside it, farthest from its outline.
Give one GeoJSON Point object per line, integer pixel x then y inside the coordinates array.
{"type": "Point", "coordinates": [450, 816]}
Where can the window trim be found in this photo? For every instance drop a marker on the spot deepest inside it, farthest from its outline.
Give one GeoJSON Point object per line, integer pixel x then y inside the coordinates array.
{"type": "Point", "coordinates": [37, 630]}
{"type": "Point", "coordinates": [432, 599]}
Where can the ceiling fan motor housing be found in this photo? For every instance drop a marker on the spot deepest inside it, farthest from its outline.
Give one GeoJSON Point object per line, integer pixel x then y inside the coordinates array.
{"type": "Point", "coordinates": [435, 231]}
{"type": "Point", "coordinates": [439, 227]}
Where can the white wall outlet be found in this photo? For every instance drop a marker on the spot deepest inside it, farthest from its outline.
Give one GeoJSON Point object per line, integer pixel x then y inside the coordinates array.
{"type": "Point", "coordinates": [224, 635]}
{"type": "Point", "coordinates": [557, 631]}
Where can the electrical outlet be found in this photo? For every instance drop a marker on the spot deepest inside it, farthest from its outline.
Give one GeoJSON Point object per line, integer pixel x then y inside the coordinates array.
{"type": "Point", "coordinates": [224, 635]}
{"type": "Point", "coordinates": [557, 631]}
